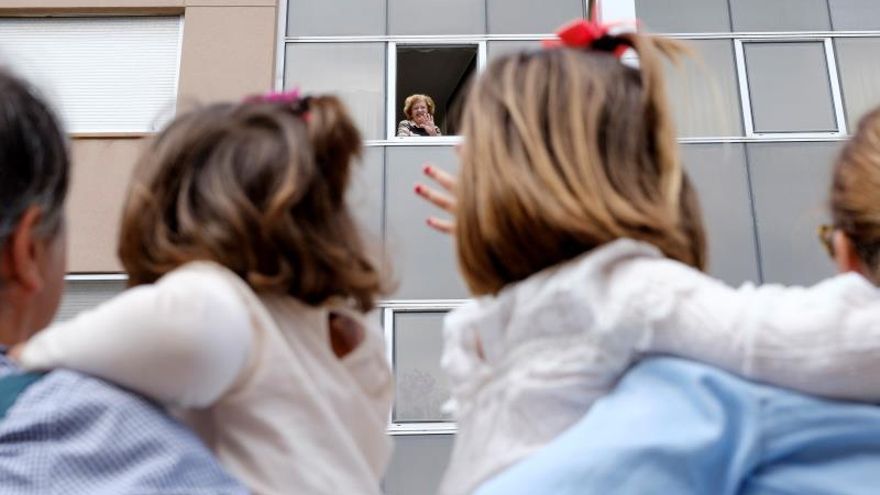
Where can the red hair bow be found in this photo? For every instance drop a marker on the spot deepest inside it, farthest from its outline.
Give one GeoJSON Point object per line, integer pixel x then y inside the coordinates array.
{"type": "Point", "coordinates": [581, 33]}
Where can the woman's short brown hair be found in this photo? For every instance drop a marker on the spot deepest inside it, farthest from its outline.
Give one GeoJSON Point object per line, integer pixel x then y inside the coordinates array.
{"type": "Point", "coordinates": [565, 150]}
{"type": "Point", "coordinates": [855, 192]}
{"type": "Point", "coordinates": [259, 188]}
{"type": "Point", "coordinates": [412, 99]}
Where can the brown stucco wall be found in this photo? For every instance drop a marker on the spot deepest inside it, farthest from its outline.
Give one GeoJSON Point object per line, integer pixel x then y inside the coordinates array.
{"type": "Point", "coordinates": [228, 51]}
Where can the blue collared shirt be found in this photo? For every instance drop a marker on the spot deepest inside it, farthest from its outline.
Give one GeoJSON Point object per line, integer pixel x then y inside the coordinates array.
{"type": "Point", "coordinates": [674, 426]}
{"type": "Point", "coordinates": [73, 434]}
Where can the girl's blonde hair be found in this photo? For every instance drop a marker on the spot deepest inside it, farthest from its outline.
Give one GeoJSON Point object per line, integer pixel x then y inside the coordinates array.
{"type": "Point", "coordinates": [259, 188]}
{"type": "Point", "coordinates": [855, 192]}
{"type": "Point", "coordinates": [565, 150]}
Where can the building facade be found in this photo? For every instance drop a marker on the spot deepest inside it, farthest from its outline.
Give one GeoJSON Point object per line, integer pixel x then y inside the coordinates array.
{"type": "Point", "coordinates": [777, 86]}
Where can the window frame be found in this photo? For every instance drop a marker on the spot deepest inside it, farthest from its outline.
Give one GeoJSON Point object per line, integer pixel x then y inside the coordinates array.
{"type": "Point", "coordinates": [389, 310]}
{"type": "Point", "coordinates": [831, 73]}
{"type": "Point", "coordinates": [391, 83]}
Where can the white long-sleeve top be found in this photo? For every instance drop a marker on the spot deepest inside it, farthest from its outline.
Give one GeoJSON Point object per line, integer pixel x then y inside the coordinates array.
{"type": "Point", "coordinates": [254, 375]}
{"type": "Point", "coordinates": [528, 363]}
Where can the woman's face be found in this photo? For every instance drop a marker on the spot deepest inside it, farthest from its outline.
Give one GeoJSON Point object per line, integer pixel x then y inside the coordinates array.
{"type": "Point", "coordinates": [420, 111]}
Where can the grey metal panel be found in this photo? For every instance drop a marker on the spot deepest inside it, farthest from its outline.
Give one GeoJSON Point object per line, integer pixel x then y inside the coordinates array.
{"type": "Point", "coordinates": [704, 92]}
{"type": "Point", "coordinates": [336, 18]}
{"type": "Point", "coordinates": [418, 464]}
{"type": "Point", "coordinates": [81, 295]}
{"type": "Point", "coordinates": [718, 172]}
{"type": "Point", "coordinates": [790, 184]}
{"type": "Point", "coordinates": [367, 190]}
{"type": "Point", "coordinates": [789, 87]}
{"type": "Point", "coordinates": [421, 387]}
{"type": "Point", "coordinates": [859, 69]}
{"type": "Point", "coordinates": [354, 71]}
{"type": "Point", "coordinates": [495, 49]}
{"type": "Point", "coordinates": [423, 260]}
{"type": "Point", "coordinates": [365, 199]}
{"type": "Point", "coordinates": [531, 16]}
{"type": "Point", "coordinates": [855, 15]}
{"type": "Point", "coordinates": [684, 16]}
{"type": "Point", "coordinates": [779, 15]}
{"type": "Point", "coordinates": [417, 17]}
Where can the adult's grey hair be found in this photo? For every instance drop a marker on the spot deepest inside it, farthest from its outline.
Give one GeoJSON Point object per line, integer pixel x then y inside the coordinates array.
{"type": "Point", "coordinates": [34, 165]}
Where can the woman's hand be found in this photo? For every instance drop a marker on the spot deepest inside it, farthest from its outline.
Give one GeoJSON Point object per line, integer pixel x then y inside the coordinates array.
{"type": "Point", "coordinates": [442, 198]}
{"type": "Point", "coordinates": [430, 127]}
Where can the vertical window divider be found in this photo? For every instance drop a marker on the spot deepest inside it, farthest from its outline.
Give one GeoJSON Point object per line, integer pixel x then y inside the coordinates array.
{"type": "Point", "coordinates": [388, 329]}
{"type": "Point", "coordinates": [281, 47]}
{"type": "Point", "coordinates": [743, 79]}
{"type": "Point", "coordinates": [482, 55]}
{"type": "Point", "coordinates": [836, 93]}
{"type": "Point", "coordinates": [391, 90]}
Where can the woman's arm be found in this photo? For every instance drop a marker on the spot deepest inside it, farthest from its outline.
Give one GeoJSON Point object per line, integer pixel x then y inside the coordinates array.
{"type": "Point", "coordinates": [182, 341]}
{"type": "Point", "coordinates": [403, 129]}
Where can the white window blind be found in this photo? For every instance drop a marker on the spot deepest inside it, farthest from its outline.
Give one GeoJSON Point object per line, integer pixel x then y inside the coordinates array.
{"type": "Point", "coordinates": [103, 74]}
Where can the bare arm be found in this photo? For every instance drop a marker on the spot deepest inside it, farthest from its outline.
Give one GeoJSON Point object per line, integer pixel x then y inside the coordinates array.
{"type": "Point", "coordinates": [182, 341]}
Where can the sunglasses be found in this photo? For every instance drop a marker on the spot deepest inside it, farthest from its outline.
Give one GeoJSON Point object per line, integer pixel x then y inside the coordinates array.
{"type": "Point", "coordinates": [826, 234]}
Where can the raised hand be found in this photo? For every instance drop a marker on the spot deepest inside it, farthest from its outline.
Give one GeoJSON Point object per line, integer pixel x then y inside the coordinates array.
{"type": "Point", "coordinates": [443, 198]}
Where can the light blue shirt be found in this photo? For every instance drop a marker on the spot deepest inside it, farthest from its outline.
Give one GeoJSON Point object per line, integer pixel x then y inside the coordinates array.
{"type": "Point", "coordinates": [72, 434]}
{"type": "Point", "coordinates": [678, 427]}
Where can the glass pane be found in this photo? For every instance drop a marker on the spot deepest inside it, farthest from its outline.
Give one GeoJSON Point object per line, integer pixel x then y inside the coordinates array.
{"type": "Point", "coordinates": [336, 18]}
{"type": "Point", "coordinates": [421, 385]}
{"type": "Point", "coordinates": [436, 17]}
{"type": "Point", "coordinates": [440, 72]}
{"type": "Point", "coordinates": [531, 16]}
{"type": "Point", "coordinates": [779, 15]}
{"type": "Point", "coordinates": [496, 49]}
{"type": "Point", "coordinates": [789, 87]}
{"type": "Point", "coordinates": [790, 185]}
{"type": "Point", "coordinates": [354, 71]}
{"type": "Point", "coordinates": [859, 69]}
{"type": "Point", "coordinates": [855, 15]}
{"type": "Point", "coordinates": [684, 16]}
{"type": "Point", "coordinates": [418, 464]}
{"type": "Point", "coordinates": [423, 260]}
{"type": "Point", "coordinates": [703, 92]}
{"type": "Point", "coordinates": [718, 172]}
{"type": "Point", "coordinates": [80, 295]}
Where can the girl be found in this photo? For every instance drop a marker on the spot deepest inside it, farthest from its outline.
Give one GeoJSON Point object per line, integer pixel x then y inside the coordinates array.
{"type": "Point", "coordinates": [250, 281]}
{"type": "Point", "coordinates": [580, 234]}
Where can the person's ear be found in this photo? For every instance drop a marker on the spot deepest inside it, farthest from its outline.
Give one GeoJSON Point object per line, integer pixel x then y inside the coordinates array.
{"type": "Point", "coordinates": [845, 255]}
{"type": "Point", "coordinates": [22, 253]}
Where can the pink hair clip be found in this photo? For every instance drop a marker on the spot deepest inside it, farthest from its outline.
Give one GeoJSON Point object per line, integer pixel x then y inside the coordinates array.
{"type": "Point", "coordinates": [291, 96]}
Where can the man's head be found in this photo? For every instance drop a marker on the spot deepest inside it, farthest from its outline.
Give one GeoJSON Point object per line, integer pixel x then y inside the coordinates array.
{"type": "Point", "coordinates": [34, 171]}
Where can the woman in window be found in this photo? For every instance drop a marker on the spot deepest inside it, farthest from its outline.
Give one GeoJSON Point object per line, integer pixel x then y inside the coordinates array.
{"type": "Point", "coordinates": [419, 111]}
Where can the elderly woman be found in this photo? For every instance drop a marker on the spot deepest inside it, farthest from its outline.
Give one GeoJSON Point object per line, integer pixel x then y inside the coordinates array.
{"type": "Point", "coordinates": [419, 111]}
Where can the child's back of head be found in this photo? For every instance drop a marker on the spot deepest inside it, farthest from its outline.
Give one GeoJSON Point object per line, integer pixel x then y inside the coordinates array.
{"type": "Point", "coordinates": [567, 149]}
{"type": "Point", "coordinates": [260, 188]}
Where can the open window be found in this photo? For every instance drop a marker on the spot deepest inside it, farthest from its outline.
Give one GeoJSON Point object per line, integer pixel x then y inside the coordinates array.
{"type": "Point", "coordinates": [440, 71]}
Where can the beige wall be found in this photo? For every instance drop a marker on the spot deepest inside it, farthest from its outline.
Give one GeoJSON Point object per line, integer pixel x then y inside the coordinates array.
{"type": "Point", "coordinates": [228, 51]}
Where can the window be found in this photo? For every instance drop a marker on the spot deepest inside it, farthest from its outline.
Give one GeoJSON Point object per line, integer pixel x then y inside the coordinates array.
{"type": "Point", "coordinates": [855, 15]}
{"type": "Point", "coordinates": [421, 388]}
{"type": "Point", "coordinates": [83, 292]}
{"type": "Point", "coordinates": [349, 17]}
{"type": "Point", "coordinates": [787, 88]}
{"type": "Point", "coordinates": [438, 71]}
{"type": "Point", "coordinates": [354, 71]}
{"type": "Point", "coordinates": [104, 74]}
